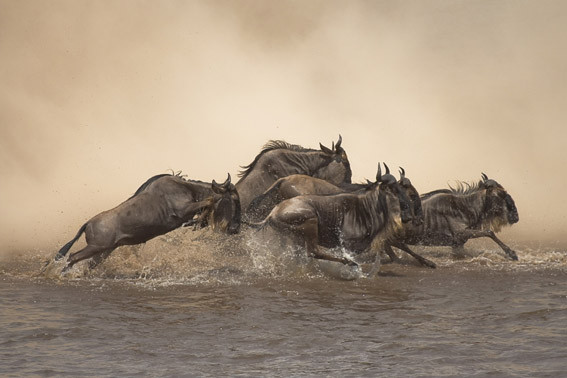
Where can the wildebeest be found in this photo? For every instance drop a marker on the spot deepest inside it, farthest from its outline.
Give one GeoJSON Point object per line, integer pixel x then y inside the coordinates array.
{"type": "Point", "coordinates": [296, 185]}
{"type": "Point", "coordinates": [279, 159]}
{"type": "Point", "coordinates": [349, 220]}
{"type": "Point", "coordinates": [162, 204]}
{"type": "Point", "coordinates": [453, 216]}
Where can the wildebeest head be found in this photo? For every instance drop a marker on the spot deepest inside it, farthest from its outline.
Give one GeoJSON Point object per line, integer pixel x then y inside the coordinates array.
{"type": "Point", "coordinates": [499, 205]}
{"type": "Point", "coordinates": [413, 196]}
{"type": "Point", "coordinates": [226, 213]}
{"type": "Point", "coordinates": [338, 169]}
{"type": "Point", "coordinates": [388, 182]}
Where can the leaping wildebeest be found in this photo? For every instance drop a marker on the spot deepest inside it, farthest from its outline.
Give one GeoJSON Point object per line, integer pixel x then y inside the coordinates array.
{"type": "Point", "coordinates": [349, 220]}
{"type": "Point", "coordinates": [279, 159]}
{"type": "Point", "coordinates": [453, 216]}
{"type": "Point", "coordinates": [162, 204]}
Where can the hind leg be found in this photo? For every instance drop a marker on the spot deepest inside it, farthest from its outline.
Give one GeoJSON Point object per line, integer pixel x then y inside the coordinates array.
{"type": "Point", "coordinates": [310, 231]}
{"type": "Point", "coordinates": [98, 259]}
{"type": "Point", "coordinates": [85, 253]}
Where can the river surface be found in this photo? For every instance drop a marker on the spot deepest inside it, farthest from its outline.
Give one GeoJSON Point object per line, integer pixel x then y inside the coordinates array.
{"type": "Point", "coordinates": [199, 304]}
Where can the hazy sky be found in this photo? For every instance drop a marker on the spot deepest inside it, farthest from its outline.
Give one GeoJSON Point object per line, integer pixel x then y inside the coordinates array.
{"type": "Point", "coordinates": [97, 96]}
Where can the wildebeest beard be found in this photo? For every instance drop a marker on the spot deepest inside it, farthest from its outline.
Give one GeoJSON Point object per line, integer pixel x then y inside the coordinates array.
{"type": "Point", "coordinates": [226, 216]}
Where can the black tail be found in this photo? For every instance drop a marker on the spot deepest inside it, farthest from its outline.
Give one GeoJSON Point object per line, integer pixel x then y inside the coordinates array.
{"type": "Point", "coordinates": [63, 251]}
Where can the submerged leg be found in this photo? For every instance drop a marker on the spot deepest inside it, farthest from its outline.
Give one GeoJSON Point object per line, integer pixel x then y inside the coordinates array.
{"type": "Point", "coordinates": [375, 266]}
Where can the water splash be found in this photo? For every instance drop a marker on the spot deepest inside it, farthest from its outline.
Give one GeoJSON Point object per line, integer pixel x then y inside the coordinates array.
{"type": "Point", "coordinates": [204, 257]}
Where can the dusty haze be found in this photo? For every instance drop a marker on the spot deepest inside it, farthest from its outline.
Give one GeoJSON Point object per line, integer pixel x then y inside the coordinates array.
{"type": "Point", "coordinates": [98, 96]}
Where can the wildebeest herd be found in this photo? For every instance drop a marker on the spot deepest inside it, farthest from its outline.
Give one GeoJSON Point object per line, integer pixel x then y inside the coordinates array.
{"type": "Point", "coordinates": [307, 195]}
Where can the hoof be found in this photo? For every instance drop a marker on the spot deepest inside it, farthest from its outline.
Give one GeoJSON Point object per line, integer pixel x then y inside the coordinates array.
{"type": "Point", "coordinates": [429, 264]}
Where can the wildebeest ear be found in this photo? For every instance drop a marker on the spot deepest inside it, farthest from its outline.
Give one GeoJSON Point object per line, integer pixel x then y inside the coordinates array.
{"type": "Point", "coordinates": [326, 149]}
{"type": "Point", "coordinates": [379, 174]}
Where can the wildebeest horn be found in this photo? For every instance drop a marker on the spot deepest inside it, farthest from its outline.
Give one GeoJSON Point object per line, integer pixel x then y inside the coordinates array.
{"type": "Point", "coordinates": [333, 146]}
{"type": "Point", "coordinates": [387, 169]}
{"type": "Point", "coordinates": [484, 176]}
{"type": "Point", "coordinates": [227, 181]}
{"type": "Point", "coordinates": [402, 173]}
{"type": "Point", "coordinates": [379, 174]}
{"type": "Point", "coordinates": [339, 142]}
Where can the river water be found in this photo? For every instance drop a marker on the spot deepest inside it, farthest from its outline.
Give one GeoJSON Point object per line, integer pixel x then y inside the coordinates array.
{"type": "Point", "coordinates": [201, 304]}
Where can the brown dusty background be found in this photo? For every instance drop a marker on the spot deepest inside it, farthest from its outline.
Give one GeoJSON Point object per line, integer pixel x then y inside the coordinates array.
{"type": "Point", "coordinates": [96, 97]}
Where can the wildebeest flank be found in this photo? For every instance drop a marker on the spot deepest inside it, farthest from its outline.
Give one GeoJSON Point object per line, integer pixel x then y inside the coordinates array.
{"type": "Point", "coordinates": [453, 216]}
{"type": "Point", "coordinates": [349, 220]}
{"type": "Point", "coordinates": [162, 204]}
{"type": "Point", "coordinates": [279, 159]}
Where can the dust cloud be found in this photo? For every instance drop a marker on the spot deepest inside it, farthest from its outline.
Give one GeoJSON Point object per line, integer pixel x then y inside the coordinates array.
{"type": "Point", "coordinates": [96, 97]}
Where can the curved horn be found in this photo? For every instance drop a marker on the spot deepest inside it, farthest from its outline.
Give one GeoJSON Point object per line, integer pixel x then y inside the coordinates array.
{"type": "Point", "coordinates": [387, 169]}
{"type": "Point", "coordinates": [215, 184]}
{"type": "Point", "coordinates": [227, 181]}
{"type": "Point", "coordinates": [339, 142]}
{"type": "Point", "coordinates": [379, 174]}
{"type": "Point", "coordinates": [402, 173]}
{"type": "Point", "coordinates": [484, 176]}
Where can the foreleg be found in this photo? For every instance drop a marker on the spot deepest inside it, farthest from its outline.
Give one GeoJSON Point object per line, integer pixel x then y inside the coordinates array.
{"type": "Point", "coordinates": [422, 260]}
{"type": "Point", "coordinates": [472, 234]}
{"type": "Point", "coordinates": [390, 252]}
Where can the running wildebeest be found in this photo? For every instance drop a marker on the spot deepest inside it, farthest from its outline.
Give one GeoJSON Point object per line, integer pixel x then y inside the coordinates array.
{"type": "Point", "coordinates": [349, 220]}
{"type": "Point", "coordinates": [162, 204]}
{"type": "Point", "coordinates": [453, 216]}
{"type": "Point", "coordinates": [279, 159]}
{"type": "Point", "coordinates": [296, 185]}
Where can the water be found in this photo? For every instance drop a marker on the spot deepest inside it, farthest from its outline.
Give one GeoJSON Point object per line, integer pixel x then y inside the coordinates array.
{"type": "Point", "coordinates": [201, 304]}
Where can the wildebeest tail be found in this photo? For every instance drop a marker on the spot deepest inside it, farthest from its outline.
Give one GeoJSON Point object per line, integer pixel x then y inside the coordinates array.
{"type": "Point", "coordinates": [256, 225]}
{"type": "Point", "coordinates": [63, 251]}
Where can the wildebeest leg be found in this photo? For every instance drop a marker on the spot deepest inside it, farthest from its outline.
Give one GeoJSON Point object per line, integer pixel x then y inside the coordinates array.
{"type": "Point", "coordinates": [375, 267]}
{"type": "Point", "coordinates": [85, 253]}
{"type": "Point", "coordinates": [458, 250]}
{"type": "Point", "coordinates": [471, 234]}
{"type": "Point", "coordinates": [422, 260]}
{"type": "Point", "coordinates": [390, 252]}
{"type": "Point", "coordinates": [311, 234]}
{"type": "Point", "coordinates": [98, 259]}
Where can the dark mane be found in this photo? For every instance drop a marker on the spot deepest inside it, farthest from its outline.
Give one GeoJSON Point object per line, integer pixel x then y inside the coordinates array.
{"type": "Point", "coordinates": [271, 146]}
{"type": "Point", "coordinates": [461, 189]}
{"type": "Point", "coordinates": [152, 179]}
